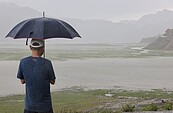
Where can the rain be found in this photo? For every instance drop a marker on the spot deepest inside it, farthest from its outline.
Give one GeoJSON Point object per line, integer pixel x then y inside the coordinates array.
{"type": "Point", "coordinates": [115, 44]}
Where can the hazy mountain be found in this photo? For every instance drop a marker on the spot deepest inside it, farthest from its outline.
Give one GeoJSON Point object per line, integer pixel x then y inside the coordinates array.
{"type": "Point", "coordinates": [124, 31]}
{"type": "Point", "coordinates": [161, 17]}
{"type": "Point", "coordinates": [95, 30]}
{"type": "Point", "coordinates": [11, 14]}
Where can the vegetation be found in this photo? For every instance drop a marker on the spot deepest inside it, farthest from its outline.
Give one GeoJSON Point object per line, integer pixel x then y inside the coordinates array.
{"type": "Point", "coordinates": [168, 106]}
{"type": "Point", "coordinates": [150, 107]}
{"type": "Point", "coordinates": [95, 101]}
{"type": "Point", "coordinates": [128, 108]}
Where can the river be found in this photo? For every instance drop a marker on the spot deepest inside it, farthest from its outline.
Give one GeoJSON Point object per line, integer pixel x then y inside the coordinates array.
{"type": "Point", "coordinates": [94, 73]}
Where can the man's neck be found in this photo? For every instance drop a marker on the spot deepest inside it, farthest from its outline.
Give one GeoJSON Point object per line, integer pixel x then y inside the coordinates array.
{"type": "Point", "coordinates": [35, 54]}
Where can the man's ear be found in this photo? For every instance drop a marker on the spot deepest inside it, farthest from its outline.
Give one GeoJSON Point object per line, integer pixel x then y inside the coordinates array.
{"type": "Point", "coordinates": [30, 47]}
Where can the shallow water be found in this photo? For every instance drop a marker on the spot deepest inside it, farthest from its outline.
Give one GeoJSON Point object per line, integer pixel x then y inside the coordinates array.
{"type": "Point", "coordinates": [125, 73]}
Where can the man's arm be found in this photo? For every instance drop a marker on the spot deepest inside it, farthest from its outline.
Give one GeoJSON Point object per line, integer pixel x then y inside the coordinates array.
{"type": "Point", "coordinates": [22, 81]}
{"type": "Point", "coordinates": [20, 74]}
{"type": "Point", "coordinates": [51, 73]}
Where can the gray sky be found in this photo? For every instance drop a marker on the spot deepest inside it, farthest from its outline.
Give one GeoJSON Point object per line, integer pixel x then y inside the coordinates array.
{"type": "Point", "coordinates": [113, 10]}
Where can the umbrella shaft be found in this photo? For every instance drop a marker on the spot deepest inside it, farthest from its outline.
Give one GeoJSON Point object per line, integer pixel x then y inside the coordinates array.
{"type": "Point", "coordinates": [44, 54]}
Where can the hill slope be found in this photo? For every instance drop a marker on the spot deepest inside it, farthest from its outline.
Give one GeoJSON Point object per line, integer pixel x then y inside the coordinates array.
{"type": "Point", "coordinates": [164, 42]}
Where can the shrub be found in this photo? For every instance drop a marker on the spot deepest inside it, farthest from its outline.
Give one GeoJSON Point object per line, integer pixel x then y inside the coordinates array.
{"type": "Point", "coordinates": [150, 107]}
{"type": "Point", "coordinates": [103, 111]}
{"type": "Point", "coordinates": [128, 108]}
{"type": "Point", "coordinates": [167, 106]}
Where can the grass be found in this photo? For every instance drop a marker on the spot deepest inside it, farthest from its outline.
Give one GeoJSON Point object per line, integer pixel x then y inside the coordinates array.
{"type": "Point", "coordinates": [12, 104]}
{"type": "Point", "coordinates": [80, 101]}
{"type": "Point", "coordinates": [75, 101]}
{"type": "Point", "coordinates": [62, 101]}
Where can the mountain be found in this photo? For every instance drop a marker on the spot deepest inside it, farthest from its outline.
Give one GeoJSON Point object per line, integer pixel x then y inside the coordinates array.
{"type": "Point", "coordinates": [160, 17]}
{"type": "Point", "coordinates": [95, 30]}
{"type": "Point", "coordinates": [124, 31]}
{"type": "Point", "coordinates": [11, 14]}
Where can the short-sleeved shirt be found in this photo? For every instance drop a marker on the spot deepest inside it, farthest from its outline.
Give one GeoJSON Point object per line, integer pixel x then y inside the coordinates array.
{"type": "Point", "coordinates": [37, 73]}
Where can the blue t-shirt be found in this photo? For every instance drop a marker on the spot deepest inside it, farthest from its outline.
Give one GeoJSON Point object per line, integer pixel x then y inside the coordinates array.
{"type": "Point", "coordinates": [37, 73]}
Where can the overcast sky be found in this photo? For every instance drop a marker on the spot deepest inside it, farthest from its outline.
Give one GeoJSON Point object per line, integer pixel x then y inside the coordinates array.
{"type": "Point", "coordinates": [113, 10]}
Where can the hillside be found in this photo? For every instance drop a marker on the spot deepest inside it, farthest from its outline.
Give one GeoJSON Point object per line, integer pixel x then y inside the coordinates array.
{"type": "Point", "coordinates": [164, 42]}
{"type": "Point", "coordinates": [149, 40]}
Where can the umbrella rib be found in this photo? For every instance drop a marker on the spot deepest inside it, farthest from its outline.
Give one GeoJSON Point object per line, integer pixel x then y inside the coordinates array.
{"type": "Point", "coordinates": [17, 28]}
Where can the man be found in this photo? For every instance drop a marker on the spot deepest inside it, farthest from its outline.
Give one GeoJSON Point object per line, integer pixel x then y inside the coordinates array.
{"type": "Point", "coordinates": [37, 73]}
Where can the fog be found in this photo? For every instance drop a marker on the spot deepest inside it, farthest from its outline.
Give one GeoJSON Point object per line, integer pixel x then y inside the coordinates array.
{"type": "Point", "coordinates": [97, 21]}
{"type": "Point", "coordinates": [113, 10]}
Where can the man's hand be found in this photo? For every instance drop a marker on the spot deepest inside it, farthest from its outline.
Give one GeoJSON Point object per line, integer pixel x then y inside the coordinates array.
{"type": "Point", "coordinates": [52, 82]}
{"type": "Point", "coordinates": [22, 81]}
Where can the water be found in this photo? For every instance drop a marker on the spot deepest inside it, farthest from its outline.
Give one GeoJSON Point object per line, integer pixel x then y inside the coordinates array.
{"type": "Point", "coordinates": [125, 73]}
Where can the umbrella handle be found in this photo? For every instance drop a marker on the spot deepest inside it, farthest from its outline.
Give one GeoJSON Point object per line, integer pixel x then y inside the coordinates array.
{"type": "Point", "coordinates": [28, 37]}
{"type": "Point", "coordinates": [27, 41]}
{"type": "Point", "coordinates": [43, 14]}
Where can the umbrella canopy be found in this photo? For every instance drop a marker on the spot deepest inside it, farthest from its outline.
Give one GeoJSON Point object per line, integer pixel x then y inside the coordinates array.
{"type": "Point", "coordinates": [43, 28]}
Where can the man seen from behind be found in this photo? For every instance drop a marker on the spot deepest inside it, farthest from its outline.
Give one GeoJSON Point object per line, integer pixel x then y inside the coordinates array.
{"type": "Point", "coordinates": [37, 73]}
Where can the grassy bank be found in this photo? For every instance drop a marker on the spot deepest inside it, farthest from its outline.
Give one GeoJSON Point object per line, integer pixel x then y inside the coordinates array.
{"type": "Point", "coordinates": [95, 101]}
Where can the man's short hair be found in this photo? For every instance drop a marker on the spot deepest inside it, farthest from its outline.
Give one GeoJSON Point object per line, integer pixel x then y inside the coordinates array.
{"type": "Point", "coordinates": [35, 43]}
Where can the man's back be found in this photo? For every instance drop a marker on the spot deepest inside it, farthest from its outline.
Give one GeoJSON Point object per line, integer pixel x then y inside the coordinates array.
{"type": "Point", "coordinates": [37, 73]}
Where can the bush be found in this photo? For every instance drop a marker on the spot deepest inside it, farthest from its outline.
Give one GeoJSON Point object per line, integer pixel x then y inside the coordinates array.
{"type": "Point", "coordinates": [150, 107]}
{"type": "Point", "coordinates": [167, 106]}
{"type": "Point", "coordinates": [103, 111]}
{"type": "Point", "coordinates": [128, 108]}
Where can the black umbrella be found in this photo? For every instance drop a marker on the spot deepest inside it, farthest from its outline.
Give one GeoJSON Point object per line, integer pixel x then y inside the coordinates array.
{"type": "Point", "coordinates": [43, 28]}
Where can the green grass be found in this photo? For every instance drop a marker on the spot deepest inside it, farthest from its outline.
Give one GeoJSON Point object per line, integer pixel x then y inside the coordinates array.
{"type": "Point", "coordinates": [75, 101]}
{"type": "Point", "coordinates": [62, 101]}
{"type": "Point", "coordinates": [12, 104]}
{"type": "Point", "coordinates": [79, 101]}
